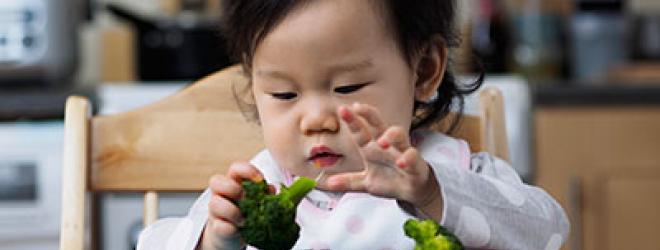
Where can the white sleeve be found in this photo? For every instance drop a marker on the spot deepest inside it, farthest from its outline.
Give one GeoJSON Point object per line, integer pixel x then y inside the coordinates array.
{"type": "Point", "coordinates": [488, 206]}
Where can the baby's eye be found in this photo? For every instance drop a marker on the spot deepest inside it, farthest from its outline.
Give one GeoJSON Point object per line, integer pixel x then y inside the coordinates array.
{"type": "Point", "coordinates": [349, 88]}
{"type": "Point", "coordinates": [284, 95]}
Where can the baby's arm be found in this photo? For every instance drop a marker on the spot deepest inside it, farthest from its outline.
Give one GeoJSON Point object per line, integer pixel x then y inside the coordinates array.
{"type": "Point", "coordinates": [490, 207]}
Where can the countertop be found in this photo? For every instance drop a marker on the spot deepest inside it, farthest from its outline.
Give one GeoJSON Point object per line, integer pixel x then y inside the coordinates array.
{"type": "Point", "coordinates": [39, 103]}
{"type": "Point", "coordinates": [545, 95]}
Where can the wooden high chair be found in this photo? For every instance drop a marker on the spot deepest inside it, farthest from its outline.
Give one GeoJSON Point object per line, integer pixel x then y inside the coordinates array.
{"type": "Point", "coordinates": [176, 144]}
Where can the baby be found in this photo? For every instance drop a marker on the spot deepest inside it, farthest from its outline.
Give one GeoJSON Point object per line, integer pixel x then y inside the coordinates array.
{"type": "Point", "coordinates": [349, 86]}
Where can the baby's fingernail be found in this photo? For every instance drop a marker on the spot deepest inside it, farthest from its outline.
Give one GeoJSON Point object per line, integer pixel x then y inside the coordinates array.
{"type": "Point", "coordinates": [345, 115]}
{"type": "Point", "coordinates": [383, 144]}
{"type": "Point", "coordinates": [257, 178]}
{"type": "Point", "coordinates": [401, 164]}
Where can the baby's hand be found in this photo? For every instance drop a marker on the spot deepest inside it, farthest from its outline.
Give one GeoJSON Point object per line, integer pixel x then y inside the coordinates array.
{"type": "Point", "coordinates": [392, 167]}
{"type": "Point", "coordinates": [221, 230]}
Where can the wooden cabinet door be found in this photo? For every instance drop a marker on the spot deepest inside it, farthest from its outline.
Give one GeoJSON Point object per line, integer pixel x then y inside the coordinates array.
{"type": "Point", "coordinates": [629, 209]}
{"type": "Point", "coordinates": [582, 157]}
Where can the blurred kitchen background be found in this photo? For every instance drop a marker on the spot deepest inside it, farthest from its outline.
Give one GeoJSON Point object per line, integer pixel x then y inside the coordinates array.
{"type": "Point", "coordinates": [581, 82]}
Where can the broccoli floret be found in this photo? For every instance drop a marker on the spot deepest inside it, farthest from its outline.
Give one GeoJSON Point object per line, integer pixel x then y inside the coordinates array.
{"type": "Point", "coordinates": [428, 235]}
{"type": "Point", "coordinates": [270, 219]}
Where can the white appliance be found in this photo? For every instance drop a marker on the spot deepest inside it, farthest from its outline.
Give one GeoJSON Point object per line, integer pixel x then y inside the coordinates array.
{"type": "Point", "coordinates": [30, 178]}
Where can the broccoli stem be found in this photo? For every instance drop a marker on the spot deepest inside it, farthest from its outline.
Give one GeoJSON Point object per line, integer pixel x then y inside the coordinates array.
{"type": "Point", "coordinates": [297, 191]}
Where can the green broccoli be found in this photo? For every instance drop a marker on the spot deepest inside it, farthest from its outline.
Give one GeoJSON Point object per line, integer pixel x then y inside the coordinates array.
{"type": "Point", "coordinates": [270, 219]}
{"type": "Point", "coordinates": [428, 235]}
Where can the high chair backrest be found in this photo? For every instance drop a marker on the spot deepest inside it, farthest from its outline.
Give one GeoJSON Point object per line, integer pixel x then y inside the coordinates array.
{"type": "Point", "coordinates": [176, 144]}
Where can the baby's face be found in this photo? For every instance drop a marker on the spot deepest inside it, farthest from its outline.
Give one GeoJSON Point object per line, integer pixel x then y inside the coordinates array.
{"type": "Point", "coordinates": [321, 56]}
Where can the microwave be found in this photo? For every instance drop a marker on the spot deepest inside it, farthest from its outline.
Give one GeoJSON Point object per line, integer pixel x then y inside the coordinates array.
{"type": "Point", "coordinates": [38, 42]}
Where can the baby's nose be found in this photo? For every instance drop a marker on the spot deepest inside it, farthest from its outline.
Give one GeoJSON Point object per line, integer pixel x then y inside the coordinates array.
{"type": "Point", "coordinates": [322, 120]}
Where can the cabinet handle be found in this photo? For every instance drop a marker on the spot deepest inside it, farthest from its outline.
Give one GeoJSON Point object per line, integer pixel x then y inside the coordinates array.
{"type": "Point", "coordinates": [575, 210]}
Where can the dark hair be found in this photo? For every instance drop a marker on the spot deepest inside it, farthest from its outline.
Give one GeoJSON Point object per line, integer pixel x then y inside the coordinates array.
{"type": "Point", "coordinates": [415, 24]}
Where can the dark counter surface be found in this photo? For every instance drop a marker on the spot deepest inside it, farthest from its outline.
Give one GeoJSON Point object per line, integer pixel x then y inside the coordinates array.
{"type": "Point", "coordinates": [40, 103]}
{"type": "Point", "coordinates": [596, 95]}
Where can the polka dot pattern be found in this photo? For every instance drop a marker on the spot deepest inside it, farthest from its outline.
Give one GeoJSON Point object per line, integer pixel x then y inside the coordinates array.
{"type": "Point", "coordinates": [554, 243]}
{"type": "Point", "coordinates": [473, 229]}
{"type": "Point", "coordinates": [512, 195]}
{"type": "Point", "coordinates": [447, 152]}
{"type": "Point", "coordinates": [354, 224]}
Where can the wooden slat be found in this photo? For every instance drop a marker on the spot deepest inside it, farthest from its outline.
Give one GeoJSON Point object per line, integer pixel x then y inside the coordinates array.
{"type": "Point", "coordinates": [469, 129]}
{"type": "Point", "coordinates": [485, 132]}
{"type": "Point", "coordinates": [175, 144]}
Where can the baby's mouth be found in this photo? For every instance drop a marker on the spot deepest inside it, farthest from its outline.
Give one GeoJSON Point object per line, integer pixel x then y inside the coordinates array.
{"type": "Point", "coordinates": [323, 156]}
{"type": "Point", "coordinates": [324, 160]}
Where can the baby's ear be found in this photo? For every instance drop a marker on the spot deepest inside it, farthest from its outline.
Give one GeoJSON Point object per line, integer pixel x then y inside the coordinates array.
{"type": "Point", "coordinates": [430, 69]}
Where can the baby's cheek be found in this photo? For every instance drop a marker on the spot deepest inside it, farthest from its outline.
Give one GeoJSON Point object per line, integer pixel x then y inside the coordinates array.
{"type": "Point", "coordinates": [353, 163]}
{"type": "Point", "coordinates": [296, 167]}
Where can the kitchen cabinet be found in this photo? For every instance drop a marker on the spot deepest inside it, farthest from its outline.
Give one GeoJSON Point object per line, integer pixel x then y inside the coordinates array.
{"type": "Point", "coordinates": [602, 163]}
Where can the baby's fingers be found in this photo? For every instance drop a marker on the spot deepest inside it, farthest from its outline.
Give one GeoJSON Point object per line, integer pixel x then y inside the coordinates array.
{"type": "Point", "coordinates": [356, 125]}
{"type": "Point", "coordinates": [411, 162]}
{"type": "Point", "coordinates": [396, 137]}
{"type": "Point", "coordinates": [372, 116]}
{"type": "Point", "coordinates": [225, 186]}
{"type": "Point", "coordinates": [223, 210]}
{"type": "Point", "coordinates": [221, 234]}
{"type": "Point", "coordinates": [347, 182]}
